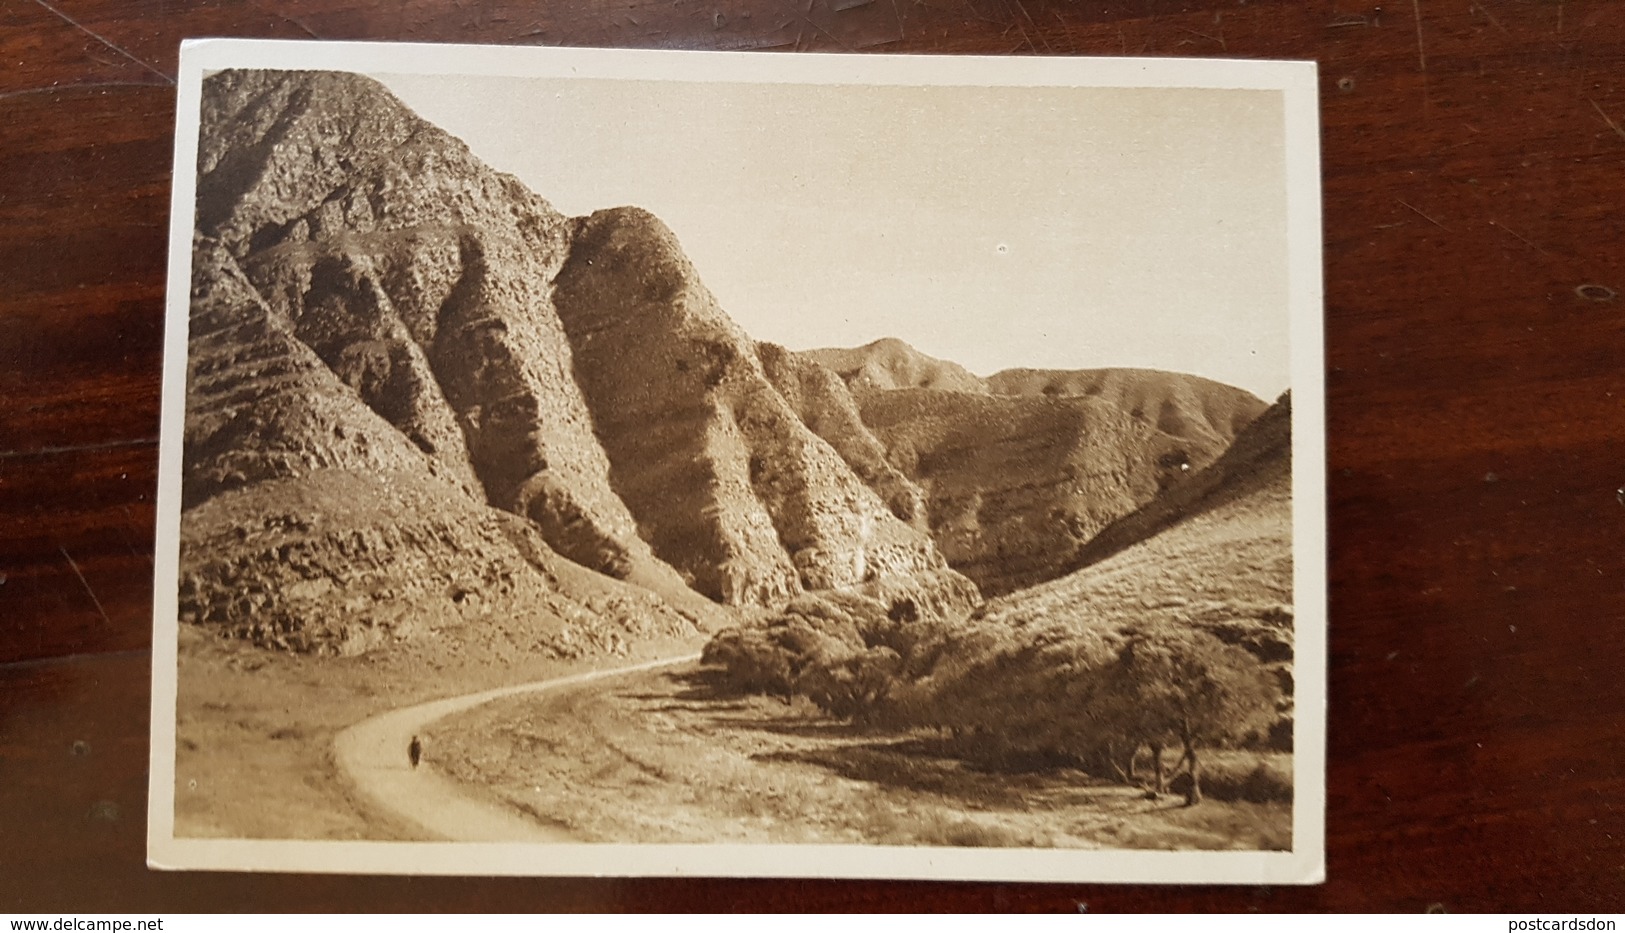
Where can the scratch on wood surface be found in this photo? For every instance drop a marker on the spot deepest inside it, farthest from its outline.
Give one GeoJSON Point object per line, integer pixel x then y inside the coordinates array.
{"type": "Point", "coordinates": [102, 39]}
{"type": "Point", "coordinates": [297, 22]}
{"type": "Point", "coordinates": [1036, 30]}
{"type": "Point", "coordinates": [1218, 39]}
{"type": "Point", "coordinates": [1419, 213]}
{"type": "Point", "coordinates": [1606, 118]}
{"type": "Point", "coordinates": [1026, 40]}
{"type": "Point", "coordinates": [1525, 240]}
{"type": "Point", "coordinates": [1491, 17]}
{"type": "Point", "coordinates": [1015, 23]}
{"type": "Point", "coordinates": [88, 85]}
{"type": "Point", "coordinates": [76, 448]}
{"type": "Point", "coordinates": [85, 583]}
{"type": "Point", "coordinates": [129, 519]}
{"type": "Point", "coordinates": [1421, 52]}
{"type": "Point", "coordinates": [832, 37]}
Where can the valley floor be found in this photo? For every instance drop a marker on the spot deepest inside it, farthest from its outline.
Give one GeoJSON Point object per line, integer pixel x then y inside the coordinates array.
{"type": "Point", "coordinates": [659, 757]}
{"type": "Point", "coordinates": [255, 730]}
{"type": "Point", "coordinates": [653, 756]}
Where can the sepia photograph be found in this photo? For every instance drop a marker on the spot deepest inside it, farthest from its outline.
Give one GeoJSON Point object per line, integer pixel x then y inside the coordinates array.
{"type": "Point", "coordinates": [590, 462]}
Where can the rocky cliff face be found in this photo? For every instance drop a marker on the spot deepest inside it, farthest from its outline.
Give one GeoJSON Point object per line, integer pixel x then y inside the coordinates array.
{"type": "Point", "coordinates": [1189, 408]}
{"type": "Point", "coordinates": [725, 479]}
{"type": "Point", "coordinates": [1021, 469]}
{"type": "Point", "coordinates": [313, 524]}
{"type": "Point", "coordinates": [421, 279]}
{"type": "Point", "coordinates": [1215, 554]}
{"type": "Point", "coordinates": [452, 382]}
{"type": "Point", "coordinates": [414, 386]}
{"type": "Point", "coordinates": [823, 402]}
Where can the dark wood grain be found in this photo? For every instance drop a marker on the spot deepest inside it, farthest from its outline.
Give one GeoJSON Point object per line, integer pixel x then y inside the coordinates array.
{"type": "Point", "coordinates": [1474, 184]}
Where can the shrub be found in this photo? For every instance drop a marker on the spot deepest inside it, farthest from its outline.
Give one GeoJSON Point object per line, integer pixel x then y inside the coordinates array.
{"type": "Point", "coordinates": [751, 662]}
{"type": "Point", "coordinates": [1057, 694]}
{"type": "Point", "coordinates": [851, 686]}
{"type": "Point", "coordinates": [1242, 779]}
{"type": "Point", "coordinates": [841, 650]}
{"type": "Point", "coordinates": [1188, 688]}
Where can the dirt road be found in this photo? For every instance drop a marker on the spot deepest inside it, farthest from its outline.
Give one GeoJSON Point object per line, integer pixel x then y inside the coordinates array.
{"type": "Point", "coordinates": [372, 755]}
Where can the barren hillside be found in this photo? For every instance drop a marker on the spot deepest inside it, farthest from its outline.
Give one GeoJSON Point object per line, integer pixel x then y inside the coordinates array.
{"type": "Point", "coordinates": [1021, 469]}
{"type": "Point", "coordinates": [1215, 555]}
{"type": "Point", "coordinates": [725, 480]}
{"type": "Point", "coordinates": [892, 364]}
{"type": "Point", "coordinates": [1221, 544]}
{"type": "Point", "coordinates": [454, 382]}
{"type": "Point", "coordinates": [1183, 406]}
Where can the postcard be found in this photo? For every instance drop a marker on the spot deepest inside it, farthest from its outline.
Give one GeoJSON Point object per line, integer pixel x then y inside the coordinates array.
{"type": "Point", "coordinates": [590, 462]}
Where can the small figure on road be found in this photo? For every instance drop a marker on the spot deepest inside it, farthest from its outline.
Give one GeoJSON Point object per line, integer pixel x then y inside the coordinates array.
{"type": "Point", "coordinates": [414, 751]}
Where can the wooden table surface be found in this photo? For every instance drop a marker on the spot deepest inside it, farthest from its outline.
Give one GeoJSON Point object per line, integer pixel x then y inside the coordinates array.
{"type": "Point", "coordinates": [1474, 160]}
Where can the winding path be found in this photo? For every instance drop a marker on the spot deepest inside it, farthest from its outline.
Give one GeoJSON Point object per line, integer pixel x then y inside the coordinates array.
{"type": "Point", "coordinates": [372, 755]}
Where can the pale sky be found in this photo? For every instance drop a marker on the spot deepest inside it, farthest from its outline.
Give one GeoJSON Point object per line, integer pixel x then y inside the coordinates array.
{"type": "Point", "coordinates": [996, 227]}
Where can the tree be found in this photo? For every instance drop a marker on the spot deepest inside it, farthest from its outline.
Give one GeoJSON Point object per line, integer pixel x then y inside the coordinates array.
{"type": "Point", "coordinates": [1188, 688]}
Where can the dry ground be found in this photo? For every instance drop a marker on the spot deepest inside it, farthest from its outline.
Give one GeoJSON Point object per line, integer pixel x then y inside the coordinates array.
{"type": "Point", "coordinates": [662, 758]}
{"type": "Point", "coordinates": [255, 728]}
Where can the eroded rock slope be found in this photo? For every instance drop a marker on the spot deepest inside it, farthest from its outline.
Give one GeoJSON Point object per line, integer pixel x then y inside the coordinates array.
{"type": "Point", "coordinates": [1020, 470]}
{"type": "Point", "coordinates": [1215, 554]}
{"type": "Point", "coordinates": [412, 383]}
{"type": "Point", "coordinates": [725, 479]}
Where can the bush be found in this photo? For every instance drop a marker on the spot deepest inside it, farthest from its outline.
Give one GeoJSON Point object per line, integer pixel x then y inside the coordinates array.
{"type": "Point", "coordinates": [840, 650]}
{"type": "Point", "coordinates": [1061, 694]}
{"type": "Point", "coordinates": [1241, 779]}
{"type": "Point", "coordinates": [852, 686]}
{"type": "Point", "coordinates": [750, 661]}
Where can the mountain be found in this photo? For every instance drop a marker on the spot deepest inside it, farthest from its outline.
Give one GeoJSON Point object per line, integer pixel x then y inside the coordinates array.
{"type": "Point", "coordinates": [313, 524]}
{"type": "Point", "coordinates": [890, 363]}
{"type": "Point", "coordinates": [1179, 405]}
{"type": "Point", "coordinates": [825, 405]}
{"type": "Point", "coordinates": [1255, 468]}
{"type": "Point", "coordinates": [419, 277]}
{"type": "Point", "coordinates": [416, 390]}
{"type": "Point", "coordinates": [1187, 407]}
{"type": "Point", "coordinates": [1015, 485]}
{"type": "Point", "coordinates": [421, 398]}
{"type": "Point", "coordinates": [1021, 469]}
{"type": "Point", "coordinates": [725, 479]}
{"type": "Point", "coordinates": [1214, 554]}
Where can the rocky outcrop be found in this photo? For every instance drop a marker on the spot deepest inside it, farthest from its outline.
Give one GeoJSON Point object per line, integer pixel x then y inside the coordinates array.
{"type": "Point", "coordinates": [421, 279]}
{"type": "Point", "coordinates": [312, 524]}
{"type": "Point", "coordinates": [261, 405]}
{"type": "Point", "coordinates": [1015, 485]}
{"type": "Point", "coordinates": [412, 383]}
{"type": "Point", "coordinates": [890, 363]}
{"type": "Point", "coordinates": [1179, 405]}
{"type": "Point", "coordinates": [347, 561]}
{"type": "Point", "coordinates": [825, 405]}
{"type": "Point", "coordinates": [1260, 459]}
{"type": "Point", "coordinates": [726, 481]}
